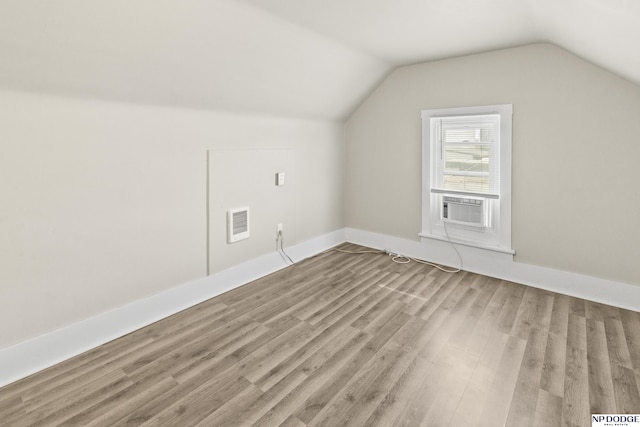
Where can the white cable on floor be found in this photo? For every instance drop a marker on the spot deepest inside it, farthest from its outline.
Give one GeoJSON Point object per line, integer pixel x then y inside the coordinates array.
{"type": "Point", "coordinates": [403, 259]}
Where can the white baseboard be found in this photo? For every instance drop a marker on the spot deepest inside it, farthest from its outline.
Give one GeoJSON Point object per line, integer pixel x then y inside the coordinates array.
{"type": "Point", "coordinates": [39, 353]}
{"type": "Point", "coordinates": [502, 266]}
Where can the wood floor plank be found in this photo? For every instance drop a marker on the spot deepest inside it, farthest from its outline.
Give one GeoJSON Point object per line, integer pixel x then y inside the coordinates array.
{"type": "Point", "coordinates": [365, 319]}
{"type": "Point", "coordinates": [471, 323]}
{"type": "Point", "coordinates": [205, 351]}
{"type": "Point", "coordinates": [548, 410]}
{"type": "Point", "coordinates": [524, 400]}
{"type": "Point", "coordinates": [292, 421]}
{"type": "Point", "coordinates": [577, 332]}
{"type": "Point", "coordinates": [173, 327]}
{"type": "Point", "coordinates": [121, 405]}
{"type": "Point", "coordinates": [631, 326]}
{"type": "Point", "coordinates": [318, 349]}
{"type": "Point", "coordinates": [263, 406]}
{"type": "Point", "coordinates": [70, 404]}
{"type": "Point", "coordinates": [526, 314]}
{"type": "Point", "coordinates": [323, 395]}
{"type": "Point", "coordinates": [438, 295]}
{"type": "Point", "coordinates": [488, 320]}
{"type": "Point", "coordinates": [187, 338]}
{"type": "Point", "coordinates": [351, 311]}
{"type": "Point", "coordinates": [419, 293]}
{"type": "Point", "coordinates": [510, 308]}
{"type": "Point", "coordinates": [198, 403]}
{"type": "Point", "coordinates": [352, 339]}
{"type": "Point", "coordinates": [226, 415]}
{"type": "Point", "coordinates": [500, 393]}
{"type": "Point", "coordinates": [560, 315]}
{"type": "Point", "coordinates": [474, 397]}
{"type": "Point", "coordinates": [601, 389]}
{"type": "Point", "coordinates": [217, 363]}
{"type": "Point", "coordinates": [357, 287]}
{"type": "Point", "coordinates": [353, 403]}
{"type": "Point", "coordinates": [67, 384]}
{"type": "Point", "coordinates": [575, 404]}
{"type": "Point", "coordinates": [271, 310]}
{"type": "Point", "coordinates": [400, 400]}
{"type": "Point", "coordinates": [625, 389]}
{"type": "Point", "coordinates": [383, 317]}
{"type": "Point", "coordinates": [12, 408]}
{"type": "Point", "coordinates": [409, 282]}
{"type": "Point", "coordinates": [601, 392]}
{"type": "Point", "coordinates": [544, 310]}
{"type": "Point", "coordinates": [298, 400]}
{"type": "Point", "coordinates": [452, 318]}
{"type": "Point", "coordinates": [577, 307]}
{"type": "Point", "coordinates": [53, 377]}
{"type": "Point", "coordinates": [413, 286]}
{"type": "Point", "coordinates": [553, 368]}
{"type": "Point", "coordinates": [617, 342]}
{"type": "Point", "coordinates": [356, 303]}
{"type": "Point", "coordinates": [408, 384]}
{"type": "Point", "coordinates": [458, 367]}
{"type": "Point", "coordinates": [594, 311]}
{"type": "Point", "coordinates": [326, 294]}
{"type": "Point", "coordinates": [260, 362]}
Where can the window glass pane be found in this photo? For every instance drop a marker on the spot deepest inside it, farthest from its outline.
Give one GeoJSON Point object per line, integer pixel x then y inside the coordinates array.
{"type": "Point", "coordinates": [466, 158]}
{"type": "Point", "coordinates": [478, 184]}
{"type": "Point", "coordinates": [478, 133]}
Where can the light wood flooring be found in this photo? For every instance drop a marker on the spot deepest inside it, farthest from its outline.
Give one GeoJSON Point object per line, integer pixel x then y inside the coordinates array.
{"type": "Point", "coordinates": [353, 340]}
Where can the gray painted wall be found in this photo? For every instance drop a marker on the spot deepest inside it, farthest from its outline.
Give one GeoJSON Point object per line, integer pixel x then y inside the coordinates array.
{"type": "Point", "coordinates": [576, 145]}
{"type": "Point", "coordinates": [105, 203]}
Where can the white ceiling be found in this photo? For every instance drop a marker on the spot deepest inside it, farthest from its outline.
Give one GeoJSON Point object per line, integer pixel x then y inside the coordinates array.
{"type": "Point", "coordinates": [409, 31]}
{"type": "Point", "coordinates": [606, 32]}
{"type": "Point", "coordinates": [304, 58]}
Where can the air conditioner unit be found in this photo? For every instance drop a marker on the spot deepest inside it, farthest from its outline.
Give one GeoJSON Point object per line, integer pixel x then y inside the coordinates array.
{"type": "Point", "coordinates": [464, 210]}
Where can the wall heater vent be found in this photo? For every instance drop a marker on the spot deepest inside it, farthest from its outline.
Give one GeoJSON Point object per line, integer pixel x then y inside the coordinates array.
{"type": "Point", "coordinates": [237, 224]}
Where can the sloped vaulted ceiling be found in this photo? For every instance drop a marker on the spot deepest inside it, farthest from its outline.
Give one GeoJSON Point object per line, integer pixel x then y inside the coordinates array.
{"type": "Point", "coordinates": [605, 32]}
{"type": "Point", "coordinates": [304, 58]}
{"type": "Point", "coordinates": [211, 54]}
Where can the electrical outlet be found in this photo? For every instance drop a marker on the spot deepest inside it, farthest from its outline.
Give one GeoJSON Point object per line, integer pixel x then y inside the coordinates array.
{"type": "Point", "coordinates": [279, 229]}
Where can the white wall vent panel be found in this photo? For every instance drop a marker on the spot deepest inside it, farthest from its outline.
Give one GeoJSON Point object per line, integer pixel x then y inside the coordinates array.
{"type": "Point", "coordinates": [237, 224]}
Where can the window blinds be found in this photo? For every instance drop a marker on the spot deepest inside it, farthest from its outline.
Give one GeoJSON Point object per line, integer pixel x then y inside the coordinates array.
{"type": "Point", "coordinates": [466, 155]}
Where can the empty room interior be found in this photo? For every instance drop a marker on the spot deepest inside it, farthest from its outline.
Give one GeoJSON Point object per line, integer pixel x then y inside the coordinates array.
{"type": "Point", "coordinates": [319, 212]}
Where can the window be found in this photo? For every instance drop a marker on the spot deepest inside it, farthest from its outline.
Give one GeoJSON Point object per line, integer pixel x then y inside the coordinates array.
{"type": "Point", "coordinates": [467, 176]}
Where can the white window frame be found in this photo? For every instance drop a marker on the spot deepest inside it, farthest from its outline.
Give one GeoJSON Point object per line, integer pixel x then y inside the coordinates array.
{"type": "Point", "coordinates": [496, 235]}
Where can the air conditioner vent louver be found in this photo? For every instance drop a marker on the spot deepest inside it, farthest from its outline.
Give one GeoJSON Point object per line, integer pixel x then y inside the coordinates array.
{"type": "Point", "coordinates": [237, 224]}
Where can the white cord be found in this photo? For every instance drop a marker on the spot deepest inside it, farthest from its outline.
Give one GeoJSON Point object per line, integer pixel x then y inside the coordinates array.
{"type": "Point", "coordinates": [375, 251]}
{"type": "Point", "coordinates": [280, 248]}
{"type": "Point", "coordinates": [446, 232]}
{"type": "Point", "coordinates": [401, 259]}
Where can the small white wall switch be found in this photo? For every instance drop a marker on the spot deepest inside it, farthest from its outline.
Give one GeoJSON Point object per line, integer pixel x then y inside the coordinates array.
{"type": "Point", "coordinates": [280, 178]}
{"type": "Point", "coordinates": [279, 227]}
